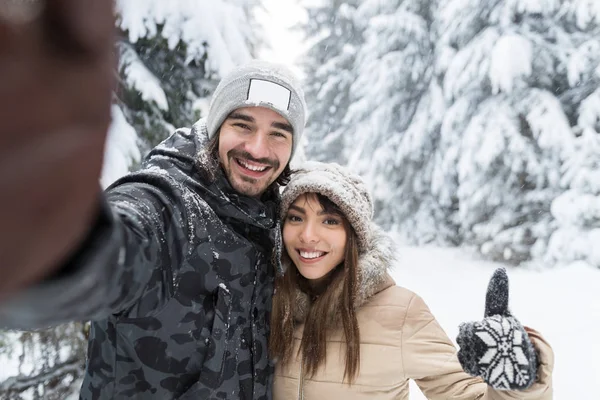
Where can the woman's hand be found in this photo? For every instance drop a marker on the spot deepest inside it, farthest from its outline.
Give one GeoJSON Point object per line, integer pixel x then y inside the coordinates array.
{"type": "Point", "coordinates": [498, 348]}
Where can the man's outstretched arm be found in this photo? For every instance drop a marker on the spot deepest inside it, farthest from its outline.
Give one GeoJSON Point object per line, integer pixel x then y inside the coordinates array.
{"type": "Point", "coordinates": [56, 79]}
{"type": "Point", "coordinates": [133, 248]}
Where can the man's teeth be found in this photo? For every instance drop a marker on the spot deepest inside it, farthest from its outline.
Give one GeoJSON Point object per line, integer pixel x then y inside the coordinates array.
{"type": "Point", "coordinates": [314, 254]}
{"type": "Point", "coordinates": [252, 167]}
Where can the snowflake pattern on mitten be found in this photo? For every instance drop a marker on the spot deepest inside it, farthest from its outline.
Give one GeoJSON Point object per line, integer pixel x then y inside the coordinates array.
{"type": "Point", "coordinates": [498, 348]}
{"type": "Point", "coordinates": [505, 364]}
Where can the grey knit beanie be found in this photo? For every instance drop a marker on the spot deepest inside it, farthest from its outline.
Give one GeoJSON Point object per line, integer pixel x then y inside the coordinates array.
{"type": "Point", "coordinates": [259, 83]}
{"type": "Point", "coordinates": [345, 189]}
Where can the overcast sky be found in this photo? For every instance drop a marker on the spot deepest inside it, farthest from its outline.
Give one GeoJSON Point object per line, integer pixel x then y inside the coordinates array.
{"type": "Point", "coordinates": [277, 21]}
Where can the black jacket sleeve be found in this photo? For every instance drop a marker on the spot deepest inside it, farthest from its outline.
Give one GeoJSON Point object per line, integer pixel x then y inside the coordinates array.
{"type": "Point", "coordinates": [141, 232]}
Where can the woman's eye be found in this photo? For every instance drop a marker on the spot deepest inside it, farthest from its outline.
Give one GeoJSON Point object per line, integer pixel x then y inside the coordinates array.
{"type": "Point", "coordinates": [332, 221]}
{"type": "Point", "coordinates": [294, 218]}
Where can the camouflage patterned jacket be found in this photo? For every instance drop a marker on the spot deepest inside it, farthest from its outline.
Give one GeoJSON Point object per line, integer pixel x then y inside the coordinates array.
{"type": "Point", "coordinates": [176, 278]}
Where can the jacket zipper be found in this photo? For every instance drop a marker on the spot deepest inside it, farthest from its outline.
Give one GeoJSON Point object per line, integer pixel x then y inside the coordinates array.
{"type": "Point", "coordinates": [301, 383]}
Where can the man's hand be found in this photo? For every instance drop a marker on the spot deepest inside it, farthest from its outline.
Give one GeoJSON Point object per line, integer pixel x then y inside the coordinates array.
{"type": "Point", "coordinates": [498, 348]}
{"type": "Point", "coordinates": [56, 73]}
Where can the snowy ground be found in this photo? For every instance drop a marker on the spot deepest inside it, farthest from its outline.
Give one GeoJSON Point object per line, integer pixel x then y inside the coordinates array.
{"type": "Point", "coordinates": [562, 303]}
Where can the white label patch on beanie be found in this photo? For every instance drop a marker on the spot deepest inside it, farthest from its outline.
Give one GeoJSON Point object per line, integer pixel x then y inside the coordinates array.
{"type": "Point", "coordinates": [261, 91]}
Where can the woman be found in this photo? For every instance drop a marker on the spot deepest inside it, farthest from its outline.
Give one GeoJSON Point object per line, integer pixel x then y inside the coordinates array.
{"type": "Point", "coordinates": [342, 329]}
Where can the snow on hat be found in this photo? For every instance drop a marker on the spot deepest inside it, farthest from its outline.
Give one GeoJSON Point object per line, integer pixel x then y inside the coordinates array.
{"type": "Point", "coordinates": [346, 190]}
{"type": "Point", "coordinates": [259, 84]}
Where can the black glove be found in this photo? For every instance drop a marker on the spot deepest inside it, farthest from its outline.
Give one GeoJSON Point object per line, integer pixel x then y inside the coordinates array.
{"type": "Point", "coordinates": [498, 348]}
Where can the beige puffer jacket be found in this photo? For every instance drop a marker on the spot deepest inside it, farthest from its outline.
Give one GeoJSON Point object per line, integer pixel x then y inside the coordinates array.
{"type": "Point", "coordinates": [400, 340]}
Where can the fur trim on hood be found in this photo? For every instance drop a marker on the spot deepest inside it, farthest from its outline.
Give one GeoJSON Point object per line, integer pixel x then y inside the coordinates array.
{"type": "Point", "coordinates": [373, 265]}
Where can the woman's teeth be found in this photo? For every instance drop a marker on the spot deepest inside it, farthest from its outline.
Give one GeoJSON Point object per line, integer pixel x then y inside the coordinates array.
{"type": "Point", "coordinates": [314, 254]}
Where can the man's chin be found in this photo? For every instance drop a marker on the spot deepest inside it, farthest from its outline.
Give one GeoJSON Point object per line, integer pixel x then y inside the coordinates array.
{"type": "Point", "coordinates": [249, 188]}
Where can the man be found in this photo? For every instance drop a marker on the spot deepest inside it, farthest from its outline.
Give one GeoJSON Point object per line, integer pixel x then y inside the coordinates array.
{"type": "Point", "coordinates": [173, 263]}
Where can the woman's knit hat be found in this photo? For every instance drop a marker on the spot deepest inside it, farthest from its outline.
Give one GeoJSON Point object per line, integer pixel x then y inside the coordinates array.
{"type": "Point", "coordinates": [345, 189]}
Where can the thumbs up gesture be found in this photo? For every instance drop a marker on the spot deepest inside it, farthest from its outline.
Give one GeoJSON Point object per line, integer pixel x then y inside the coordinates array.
{"type": "Point", "coordinates": [498, 348]}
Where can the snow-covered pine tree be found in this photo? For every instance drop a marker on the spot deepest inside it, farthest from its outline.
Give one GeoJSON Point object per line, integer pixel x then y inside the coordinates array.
{"type": "Point", "coordinates": [461, 115]}
{"type": "Point", "coordinates": [577, 210]}
{"type": "Point", "coordinates": [49, 362]}
{"type": "Point", "coordinates": [172, 54]}
{"type": "Point", "coordinates": [395, 117]}
{"type": "Point", "coordinates": [507, 131]}
{"type": "Point", "coordinates": [329, 68]}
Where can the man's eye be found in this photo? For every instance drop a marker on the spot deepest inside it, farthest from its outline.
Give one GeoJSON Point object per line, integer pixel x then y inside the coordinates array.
{"type": "Point", "coordinates": [241, 125]}
{"type": "Point", "coordinates": [279, 135]}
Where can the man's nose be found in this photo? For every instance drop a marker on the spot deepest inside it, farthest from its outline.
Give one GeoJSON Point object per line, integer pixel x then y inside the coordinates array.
{"type": "Point", "coordinates": [257, 145]}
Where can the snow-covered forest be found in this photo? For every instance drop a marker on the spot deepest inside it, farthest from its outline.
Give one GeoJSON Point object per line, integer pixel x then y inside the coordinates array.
{"type": "Point", "coordinates": [476, 123]}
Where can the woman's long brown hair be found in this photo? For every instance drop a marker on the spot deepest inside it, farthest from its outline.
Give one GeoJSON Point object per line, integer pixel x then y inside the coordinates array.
{"type": "Point", "coordinates": [334, 296]}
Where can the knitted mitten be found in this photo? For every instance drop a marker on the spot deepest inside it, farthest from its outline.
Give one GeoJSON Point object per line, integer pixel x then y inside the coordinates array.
{"type": "Point", "coordinates": [498, 348]}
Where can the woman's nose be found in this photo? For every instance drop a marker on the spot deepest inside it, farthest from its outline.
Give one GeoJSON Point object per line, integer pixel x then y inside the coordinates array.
{"type": "Point", "coordinates": [309, 234]}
